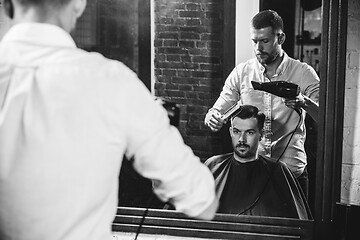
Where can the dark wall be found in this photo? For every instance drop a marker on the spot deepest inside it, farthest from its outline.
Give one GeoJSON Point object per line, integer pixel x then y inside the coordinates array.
{"type": "Point", "coordinates": [286, 9]}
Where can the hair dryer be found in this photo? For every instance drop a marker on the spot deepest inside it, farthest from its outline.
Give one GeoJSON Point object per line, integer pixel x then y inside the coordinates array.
{"type": "Point", "coordinates": [279, 88]}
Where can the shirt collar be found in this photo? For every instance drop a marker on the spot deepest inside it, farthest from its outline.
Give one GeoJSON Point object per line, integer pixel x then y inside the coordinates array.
{"type": "Point", "coordinates": [39, 33]}
{"type": "Point", "coordinates": [281, 67]}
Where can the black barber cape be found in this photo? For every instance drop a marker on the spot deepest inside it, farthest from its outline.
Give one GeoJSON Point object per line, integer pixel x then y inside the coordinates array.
{"type": "Point", "coordinates": [238, 185]}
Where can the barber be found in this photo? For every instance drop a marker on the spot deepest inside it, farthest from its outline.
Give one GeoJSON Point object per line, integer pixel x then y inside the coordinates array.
{"type": "Point", "coordinates": [67, 117]}
{"type": "Point", "coordinates": [273, 64]}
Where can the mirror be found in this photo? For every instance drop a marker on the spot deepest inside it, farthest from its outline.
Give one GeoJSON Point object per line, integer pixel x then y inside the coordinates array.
{"type": "Point", "coordinates": [117, 30]}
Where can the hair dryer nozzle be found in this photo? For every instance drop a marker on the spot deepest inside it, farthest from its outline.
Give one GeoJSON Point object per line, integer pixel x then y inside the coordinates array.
{"type": "Point", "coordinates": [279, 88]}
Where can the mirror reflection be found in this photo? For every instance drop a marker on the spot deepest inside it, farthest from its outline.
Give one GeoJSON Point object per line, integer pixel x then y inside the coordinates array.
{"type": "Point", "coordinates": [188, 71]}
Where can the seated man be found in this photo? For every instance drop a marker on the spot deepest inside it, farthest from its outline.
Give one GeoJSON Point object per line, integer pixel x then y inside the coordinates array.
{"type": "Point", "coordinates": [250, 184]}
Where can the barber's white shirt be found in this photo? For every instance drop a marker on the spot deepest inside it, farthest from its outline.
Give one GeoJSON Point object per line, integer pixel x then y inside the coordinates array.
{"type": "Point", "coordinates": [66, 119]}
{"type": "Point", "coordinates": [284, 130]}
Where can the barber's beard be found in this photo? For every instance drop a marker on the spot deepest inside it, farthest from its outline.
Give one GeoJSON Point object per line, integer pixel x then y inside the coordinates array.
{"type": "Point", "coordinates": [266, 58]}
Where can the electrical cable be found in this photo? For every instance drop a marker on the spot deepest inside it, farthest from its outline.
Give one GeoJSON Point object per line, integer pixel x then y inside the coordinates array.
{"type": "Point", "coordinates": [251, 206]}
{"type": "Point", "coordinates": [144, 216]}
{"type": "Point", "coordinates": [299, 111]}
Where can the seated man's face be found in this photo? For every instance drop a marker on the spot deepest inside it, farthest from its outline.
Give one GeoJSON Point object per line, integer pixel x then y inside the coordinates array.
{"type": "Point", "coordinates": [245, 137]}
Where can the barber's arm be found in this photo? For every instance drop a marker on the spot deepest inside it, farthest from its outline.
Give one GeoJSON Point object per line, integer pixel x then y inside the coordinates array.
{"type": "Point", "coordinates": [228, 97]}
{"type": "Point", "coordinates": [213, 120]}
{"type": "Point", "coordinates": [308, 99]}
{"type": "Point", "coordinates": [160, 154]}
{"type": "Point", "coordinates": [210, 211]}
{"type": "Point", "coordinates": [311, 107]}
{"type": "Point", "coordinates": [306, 103]}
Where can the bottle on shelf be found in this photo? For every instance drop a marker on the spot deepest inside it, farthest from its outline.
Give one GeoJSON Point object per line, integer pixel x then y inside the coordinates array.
{"type": "Point", "coordinates": [317, 66]}
{"type": "Point", "coordinates": [307, 57]}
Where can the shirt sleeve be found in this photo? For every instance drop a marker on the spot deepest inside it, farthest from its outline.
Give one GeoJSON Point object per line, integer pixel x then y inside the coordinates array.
{"type": "Point", "coordinates": [230, 93]}
{"type": "Point", "coordinates": [310, 83]}
{"type": "Point", "coordinates": [161, 155]}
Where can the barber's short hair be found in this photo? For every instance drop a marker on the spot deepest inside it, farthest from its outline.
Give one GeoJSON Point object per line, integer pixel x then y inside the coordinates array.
{"type": "Point", "coordinates": [268, 18]}
{"type": "Point", "coordinates": [249, 111]}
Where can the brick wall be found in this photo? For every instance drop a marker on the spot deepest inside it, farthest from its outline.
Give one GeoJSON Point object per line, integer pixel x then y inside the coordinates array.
{"type": "Point", "coordinates": [350, 190]}
{"type": "Point", "coordinates": [189, 63]}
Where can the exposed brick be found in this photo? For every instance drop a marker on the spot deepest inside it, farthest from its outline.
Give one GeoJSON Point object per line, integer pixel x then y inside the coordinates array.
{"type": "Point", "coordinates": [184, 73]}
{"type": "Point", "coordinates": [191, 95]}
{"type": "Point", "coordinates": [171, 87]}
{"type": "Point", "coordinates": [188, 44]}
{"type": "Point", "coordinates": [158, 43]}
{"type": "Point", "coordinates": [160, 57]}
{"type": "Point", "coordinates": [182, 80]}
{"type": "Point", "coordinates": [166, 20]}
{"type": "Point", "coordinates": [202, 88]}
{"type": "Point", "coordinates": [186, 58]}
{"type": "Point", "coordinates": [173, 50]}
{"type": "Point", "coordinates": [201, 44]}
{"type": "Point", "coordinates": [208, 36]}
{"type": "Point", "coordinates": [175, 93]}
{"type": "Point", "coordinates": [167, 28]}
{"type": "Point", "coordinates": [173, 58]}
{"type": "Point", "coordinates": [181, 22]}
{"type": "Point", "coordinates": [189, 35]}
{"type": "Point", "coordinates": [200, 51]}
{"type": "Point", "coordinates": [170, 43]}
{"type": "Point", "coordinates": [188, 64]}
{"type": "Point", "coordinates": [350, 193]}
{"type": "Point", "coordinates": [191, 14]}
{"type": "Point", "coordinates": [192, 6]}
{"type": "Point", "coordinates": [168, 35]}
{"type": "Point", "coordinates": [160, 86]}
{"type": "Point", "coordinates": [169, 65]}
{"type": "Point", "coordinates": [186, 88]}
{"type": "Point", "coordinates": [192, 22]}
{"type": "Point", "coordinates": [214, 67]}
{"type": "Point", "coordinates": [205, 59]}
{"type": "Point", "coordinates": [162, 78]}
{"type": "Point", "coordinates": [168, 72]}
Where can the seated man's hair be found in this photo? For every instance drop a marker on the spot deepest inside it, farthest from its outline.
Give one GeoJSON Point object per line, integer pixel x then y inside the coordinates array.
{"type": "Point", "coordinates": [268, 18]}
{"type": "Point", "coordinates": [249, 111]}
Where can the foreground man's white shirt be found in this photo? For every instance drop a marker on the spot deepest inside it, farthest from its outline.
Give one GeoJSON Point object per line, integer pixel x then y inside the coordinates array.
{"type": "Point", "coordinates": [66, 119]}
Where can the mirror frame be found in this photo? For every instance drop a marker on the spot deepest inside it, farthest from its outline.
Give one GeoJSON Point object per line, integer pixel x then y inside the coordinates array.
{"type": "Point", "coordinates": [331, 117]}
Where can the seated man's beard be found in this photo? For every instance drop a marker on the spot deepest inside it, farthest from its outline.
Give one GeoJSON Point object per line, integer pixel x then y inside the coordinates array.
{"type": "Point", "coordinates": [246, 153]}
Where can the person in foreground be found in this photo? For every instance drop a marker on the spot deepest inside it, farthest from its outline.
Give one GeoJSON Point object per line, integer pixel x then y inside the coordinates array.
{"type": "Point", "coordinates": [250, 184]}
{"type": "Point", "coordinates": [273, 64]}
{"type": "Point", "coordinates": [67, 117]}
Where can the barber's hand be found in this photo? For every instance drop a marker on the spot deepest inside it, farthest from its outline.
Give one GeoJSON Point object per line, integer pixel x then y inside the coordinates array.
{"type": "Point", "coordinates": [214, 121]}
{"type": "Point", "coordinates": [295, 103]}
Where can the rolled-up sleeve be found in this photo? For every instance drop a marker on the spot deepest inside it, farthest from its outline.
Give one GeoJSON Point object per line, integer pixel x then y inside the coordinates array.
{"type": "Point", "coordinates": [229, 94]}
